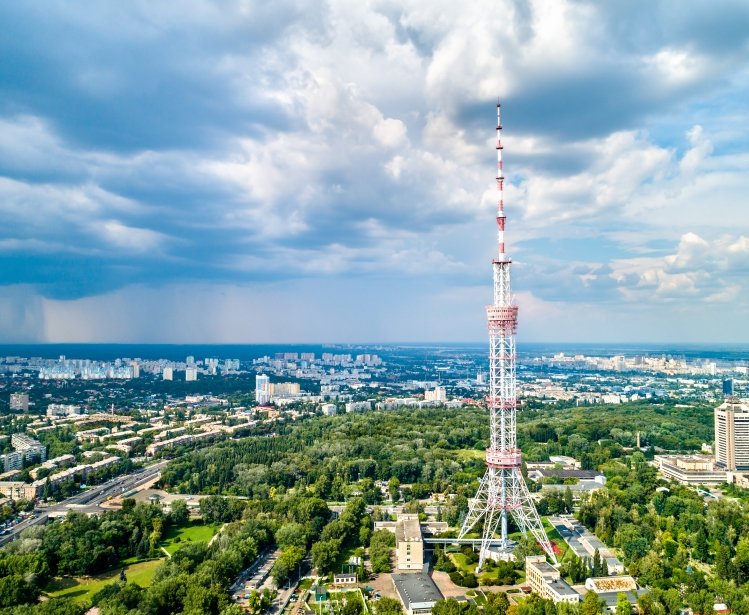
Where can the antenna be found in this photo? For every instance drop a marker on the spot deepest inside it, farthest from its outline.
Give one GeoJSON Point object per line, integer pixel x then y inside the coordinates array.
{"type": "Point", "coordinates": [502, 490]}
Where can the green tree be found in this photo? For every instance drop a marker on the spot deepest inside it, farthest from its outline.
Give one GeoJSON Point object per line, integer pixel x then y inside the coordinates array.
{"type": "Point", "coordinates": [287, 563]}
{"type": "Point", "coordinates": [353, 606]}
{"type": "Point", "coordinates": [324, 554]}
{"type": "Point", "coordinates": [450, 606]}
{"type": "Point", "coordinates": [179, 512]}
{"type": "Point", "coordinates": [623, 607]}
{"type": "Point", "coordinates": [15, 590]}
{"type": "Point", "coordinates": [496, 603]}
{"type": "Point", "coordinates": [291, 534]}
{"type": "Point", "coordinates": [568, 502]}
{"type": "Point", "coordinates": [591, 604]}
{"type": "Point", "coordinates": [390, 606]}
{"type": "Point", "coordinates": [394, 488]}
{"type": "Point", "coordinates": [527, 545]}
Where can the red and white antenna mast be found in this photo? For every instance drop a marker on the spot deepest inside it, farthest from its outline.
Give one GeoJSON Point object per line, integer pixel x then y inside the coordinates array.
{"type": "Point", "coordinates": [502, 489]}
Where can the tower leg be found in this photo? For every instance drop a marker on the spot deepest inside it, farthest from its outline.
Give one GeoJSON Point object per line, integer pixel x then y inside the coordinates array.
{"type": "Point", "coordinates": [477, 507]}
{"type": "Point", "coordinates": [527, 516]}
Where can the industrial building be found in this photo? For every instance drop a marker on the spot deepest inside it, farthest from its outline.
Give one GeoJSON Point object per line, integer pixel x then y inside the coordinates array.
{"type": "Point", "coordinates": [417, 592]}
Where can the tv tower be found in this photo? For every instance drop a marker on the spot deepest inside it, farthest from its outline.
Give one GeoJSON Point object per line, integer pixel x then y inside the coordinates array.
{"type": "Point", "coordinates": [502, 489]}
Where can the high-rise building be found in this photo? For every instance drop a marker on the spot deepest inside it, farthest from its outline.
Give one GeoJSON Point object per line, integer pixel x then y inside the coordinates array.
{"type": "Point", "coordinates": [438, 394]}
{"type": "Point", "coordinates": [191, 374]}
{"type": "Point", "coordinates": [728, 387]}
{"type": "Point", "coordinates": [732, 435]}
{"type": "Point", "coordinates": [19, 402]}
{"type": "Point", "coordinates": [262, 389]}
{"type": "Point", "coordinates": [190, 360]}
{"type": "Point", "coordinates": [168, 373]}
{"type": "Point", "coordinates": [135, 367]}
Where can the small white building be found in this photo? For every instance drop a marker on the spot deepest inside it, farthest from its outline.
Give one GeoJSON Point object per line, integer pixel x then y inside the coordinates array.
{"type": "Point", "coordinates": [329, 409]}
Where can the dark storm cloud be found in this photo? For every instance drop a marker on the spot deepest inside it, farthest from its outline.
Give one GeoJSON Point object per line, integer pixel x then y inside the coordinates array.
{"type": "Point", "coordinates": [136, 76]}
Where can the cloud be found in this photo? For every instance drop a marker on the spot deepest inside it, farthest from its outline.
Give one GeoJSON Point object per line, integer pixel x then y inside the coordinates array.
{"type": "Point", "coordinates": [236, 145]}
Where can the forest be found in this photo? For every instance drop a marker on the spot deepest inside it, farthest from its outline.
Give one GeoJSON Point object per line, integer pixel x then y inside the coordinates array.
{"type": "Point", "coordinates": [686, 551]}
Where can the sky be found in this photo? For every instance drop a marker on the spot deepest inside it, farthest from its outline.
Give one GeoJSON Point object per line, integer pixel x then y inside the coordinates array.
{"type": "Point", "coordinates": [300, 171]}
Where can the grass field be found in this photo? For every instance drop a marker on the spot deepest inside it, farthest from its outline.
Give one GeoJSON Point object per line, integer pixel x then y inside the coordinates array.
{"type": "Point", "coordinates": [554, 536]}
{"type": "Point", "coordinates": [469, 453]}
{"type": "Point", "coordinates": [195, 531]}
{"type": "Point", "coordinates": [82, 589]}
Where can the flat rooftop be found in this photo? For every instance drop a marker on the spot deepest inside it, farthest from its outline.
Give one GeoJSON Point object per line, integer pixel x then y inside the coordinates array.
{"type": "Point", "coordinates": [416, 588]}
{"type": "Point", "coordinates": [408, 529]}
{"type": "Point", "coordinates": [545, 568]}
{"type": "Point", "coordinates": [561, 588]}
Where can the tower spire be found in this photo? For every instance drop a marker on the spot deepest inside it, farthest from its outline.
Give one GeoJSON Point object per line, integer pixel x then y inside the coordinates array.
{"type": "Point", "coordinates": [502, 490]}
{"type": "Point", "coordinates": [500, 188]}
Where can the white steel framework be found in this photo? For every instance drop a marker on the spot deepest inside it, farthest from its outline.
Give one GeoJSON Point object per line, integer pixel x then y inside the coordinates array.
{"type": "Point", "coordinates": [502, 490]}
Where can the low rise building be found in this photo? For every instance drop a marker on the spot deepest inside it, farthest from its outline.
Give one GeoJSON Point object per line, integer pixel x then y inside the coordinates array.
{"type": "Point", "coordinates": [19, 402]}
{"type": "Point", "coordinates": [51, 464]}
{"type": "Point", "coordinates": [358, 406]}
{"type": "Point", "coordinates": [417, 592]}
{"type": "Point", "coordinates": [691, 469]}
{"type": "Point", "coordinates": [28, 447]}
{"type": "Point", "coordinates": [154, 448]}
{"type": "Point", "coordinates": [345, 578]}
{"type": "Point", "coordinates": [609, 588]}
{"type": "Point", "coordinates": [17, 490]}
{"type": "Point", "coordinates": [329, 409]}
{"type": "Point", "coordinates": [547, 582]}
{"type": "Point", "coordinates": [61, 410]}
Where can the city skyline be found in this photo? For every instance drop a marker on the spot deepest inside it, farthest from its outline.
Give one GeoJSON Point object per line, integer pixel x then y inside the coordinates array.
{"type": "Point", "coordinates": [324, 173]}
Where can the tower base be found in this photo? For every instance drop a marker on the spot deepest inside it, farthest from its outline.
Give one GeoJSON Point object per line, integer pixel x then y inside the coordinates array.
{"type": "Point", "coordinates": [502, 491]}
{"type": "Point", "coordinates": [501, 554]}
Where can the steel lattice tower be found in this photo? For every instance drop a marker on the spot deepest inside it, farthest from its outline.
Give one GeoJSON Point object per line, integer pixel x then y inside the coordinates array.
{"type": "Point", "coordinates": [503, 489]}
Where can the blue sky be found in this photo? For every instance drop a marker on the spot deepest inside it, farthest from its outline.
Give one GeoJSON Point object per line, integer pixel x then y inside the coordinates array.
{"type": "Point", "coordinates": [323, 171]}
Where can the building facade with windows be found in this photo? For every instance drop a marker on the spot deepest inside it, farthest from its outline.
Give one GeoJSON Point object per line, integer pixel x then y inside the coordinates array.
{"type": "Point", "coordinates": [409, 543]}
{"type": "Point", "coordinates": [732, 435]}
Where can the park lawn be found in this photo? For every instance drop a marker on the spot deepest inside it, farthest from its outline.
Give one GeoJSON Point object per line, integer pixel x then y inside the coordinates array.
{"type": "Point", "coordinates": [194, 531]}
{"type": "Point", "coordinates": [467, 454]}
{"type": "Point", "coordinates": [461, 563]}
{"type": "Point", "coordinates": [82, 589]}
{"type": "Point", "coordinates": [556, 538]}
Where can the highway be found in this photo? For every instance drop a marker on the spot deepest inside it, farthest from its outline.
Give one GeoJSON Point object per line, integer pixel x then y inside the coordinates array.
{"type": "Point", "coordinates": [91, 498]}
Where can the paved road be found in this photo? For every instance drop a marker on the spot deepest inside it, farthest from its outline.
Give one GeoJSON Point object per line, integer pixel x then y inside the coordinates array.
{"type": "Point", "coordinates": [252, 573]}
{"type": "Point", "coordinates": [91, 498]}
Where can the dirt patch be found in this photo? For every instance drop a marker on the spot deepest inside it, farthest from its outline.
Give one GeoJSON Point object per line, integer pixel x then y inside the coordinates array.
{"type": "Point", "coordinates": [383, 584]}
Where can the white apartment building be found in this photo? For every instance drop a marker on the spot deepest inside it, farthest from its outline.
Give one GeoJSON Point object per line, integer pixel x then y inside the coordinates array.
{"type": "Point", "coordinates": [732, 435]}
{"type": "Point", "coordinates": [262, 389]}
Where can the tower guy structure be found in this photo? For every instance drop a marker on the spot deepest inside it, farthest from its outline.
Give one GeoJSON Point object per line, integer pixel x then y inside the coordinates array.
{"type": "Point", "coordinates": [502, 490]}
